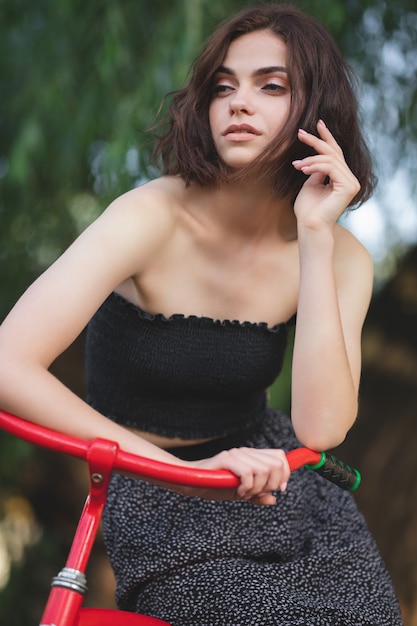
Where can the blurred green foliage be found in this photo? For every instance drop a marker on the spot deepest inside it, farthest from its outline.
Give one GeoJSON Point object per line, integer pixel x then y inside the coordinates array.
{"type": "Point", "coordinates": [81, 81]}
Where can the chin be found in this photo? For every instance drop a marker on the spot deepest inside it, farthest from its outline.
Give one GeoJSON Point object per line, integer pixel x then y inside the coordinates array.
{"type": "Point", "coordinates": [239, 159]}
{"type": "Point", "coordinates": [236, 165]}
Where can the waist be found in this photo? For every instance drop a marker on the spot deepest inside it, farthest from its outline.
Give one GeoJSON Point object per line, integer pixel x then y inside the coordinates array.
{"type": "Point", "coordinates": [165, 442]}
{"type": "Point", "coordinates": [211, 447]}
{"type": "Point", "coordinates": [173, 421]}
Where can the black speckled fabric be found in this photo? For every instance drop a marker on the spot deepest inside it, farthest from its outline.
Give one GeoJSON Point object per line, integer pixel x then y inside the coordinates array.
{"type": "Point", "coordinates": [309, 560]}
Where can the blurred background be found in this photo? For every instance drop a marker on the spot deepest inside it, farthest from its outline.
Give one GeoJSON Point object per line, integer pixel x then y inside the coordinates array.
{"type": "Point", "coordinates": [79, 83]}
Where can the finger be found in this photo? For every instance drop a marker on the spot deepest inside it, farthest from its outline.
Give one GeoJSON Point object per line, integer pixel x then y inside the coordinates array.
{"type": "Point", "coordinates": [325, 143]}
{"type": "Point", "coordinates": [255, 478]}
{"type": "Point", "coordinates": [271, 469]}
{"type": "Point", "coordinates": [336, 170]}
{"type": "Point", "coordinates": [280, 472]}
{"type": "Point", "coordinates": [258, 470]}
{"type": "Point", "coordinates": [327, 136]}
{"type": "Point", "coordinates": [236, 460]}
{"type": "Point", "coordinates": [314, 177]}
{"type": "Point", "coordinates": [264, 499]}
{"type": "Point", "coordinates": [286, 471]}
{"type": "Point", "coordinates": [322, 160]}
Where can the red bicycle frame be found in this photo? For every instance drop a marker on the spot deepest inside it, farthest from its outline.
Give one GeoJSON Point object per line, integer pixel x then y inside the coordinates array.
{"type": "Point", "coordinates": [104, 457]}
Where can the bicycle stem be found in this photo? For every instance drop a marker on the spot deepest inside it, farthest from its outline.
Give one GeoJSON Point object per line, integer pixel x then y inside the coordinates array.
{"type": "Point", "coordinates": [69, 586]}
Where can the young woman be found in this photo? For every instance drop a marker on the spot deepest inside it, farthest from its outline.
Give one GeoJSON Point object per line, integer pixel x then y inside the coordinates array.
{"type": "Point", "coordinates": [189, 283]}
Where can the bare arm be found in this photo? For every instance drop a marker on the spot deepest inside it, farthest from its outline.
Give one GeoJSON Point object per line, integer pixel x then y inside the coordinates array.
{"type": "Point", "coordinates": [56, 308]}
{"type": "Point", "coordinates": [335, 289]}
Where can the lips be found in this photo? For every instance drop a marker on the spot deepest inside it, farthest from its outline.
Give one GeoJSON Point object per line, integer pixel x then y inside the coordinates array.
{"type": "Point", "coordinates": [240, 129]}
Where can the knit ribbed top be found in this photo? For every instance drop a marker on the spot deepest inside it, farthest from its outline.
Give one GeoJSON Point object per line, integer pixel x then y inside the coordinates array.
{"type": "Point", "coordinates": [185, 376]}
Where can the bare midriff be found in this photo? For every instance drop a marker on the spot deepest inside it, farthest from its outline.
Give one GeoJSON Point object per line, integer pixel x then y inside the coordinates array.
{"type": "Point", "coordinates": [168, 442]}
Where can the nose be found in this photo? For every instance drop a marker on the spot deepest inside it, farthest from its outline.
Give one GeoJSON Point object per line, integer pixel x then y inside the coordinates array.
{"type": "Point", "coordinates": [240, 102]}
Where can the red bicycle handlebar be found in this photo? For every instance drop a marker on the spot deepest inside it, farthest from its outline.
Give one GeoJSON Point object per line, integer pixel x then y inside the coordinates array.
{"type": "Point", "coordinates": [145, 467]}
{"type": "Point", "coordinates": [69, 586]}
{"type": "Point", "coordinates": [328, 466]}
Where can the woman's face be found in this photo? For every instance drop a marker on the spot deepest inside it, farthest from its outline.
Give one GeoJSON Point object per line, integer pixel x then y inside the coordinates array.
{"type": "Point", "coordinates": [251, 97]}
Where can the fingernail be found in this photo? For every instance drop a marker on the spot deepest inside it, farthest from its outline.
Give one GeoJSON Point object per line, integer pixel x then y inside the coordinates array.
{"type": "Point", "coordinates": [283, 487]}
{"type": "Point", "coordinates": [322, 122]}
{"type": "Point", "coordinates": [301, 131]}
{"type": "Point", "coordinates": [296, 163]}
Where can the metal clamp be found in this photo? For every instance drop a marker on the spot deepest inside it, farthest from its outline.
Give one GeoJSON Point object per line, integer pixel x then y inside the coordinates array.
{"type": "Point", "coordinates": [70, 578]}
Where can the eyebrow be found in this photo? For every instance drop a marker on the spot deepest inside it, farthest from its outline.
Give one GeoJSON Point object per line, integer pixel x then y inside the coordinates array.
{"type": "Point", "coordinates": [272, 69]}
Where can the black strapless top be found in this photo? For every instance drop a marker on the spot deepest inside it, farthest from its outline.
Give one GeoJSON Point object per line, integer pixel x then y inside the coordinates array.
{"type": "Point", "coordinates": [189, 377]}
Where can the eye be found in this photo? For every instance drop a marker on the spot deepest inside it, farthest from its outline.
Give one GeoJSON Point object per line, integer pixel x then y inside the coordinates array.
{"type": "Point", "coordinates": [274, 87]}
{"type": "Point", "coordinates": [221, 89]}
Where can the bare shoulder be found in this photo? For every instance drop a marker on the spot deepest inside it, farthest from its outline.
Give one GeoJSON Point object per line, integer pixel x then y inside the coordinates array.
{"type": "Point", "coordinates": [139, 221]}
{"type": "Point", "coordinates": [153, 202]}
{"type": "Point", "coordinates": [115, 247]}
{"type": "Point", "coordinates": [350, 252]}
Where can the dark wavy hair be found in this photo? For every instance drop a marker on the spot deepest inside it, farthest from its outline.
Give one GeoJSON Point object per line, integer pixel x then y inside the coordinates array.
{"type": "Point", "coordinates": [323, 86]}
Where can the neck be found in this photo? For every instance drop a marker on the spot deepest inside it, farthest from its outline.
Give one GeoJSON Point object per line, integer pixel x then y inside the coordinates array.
{"type": "Point", "coordinates": [247, 210]}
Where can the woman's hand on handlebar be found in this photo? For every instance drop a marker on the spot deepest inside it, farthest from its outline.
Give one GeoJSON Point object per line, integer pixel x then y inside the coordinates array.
{"type": "Point", "coordinates": [261, 471]}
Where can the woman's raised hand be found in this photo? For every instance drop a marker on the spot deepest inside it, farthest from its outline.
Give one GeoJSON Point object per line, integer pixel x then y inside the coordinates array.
{"type": "Point", "coordinates": [261, 471]}
{"type": "Point", "coordinates": [330, 186]}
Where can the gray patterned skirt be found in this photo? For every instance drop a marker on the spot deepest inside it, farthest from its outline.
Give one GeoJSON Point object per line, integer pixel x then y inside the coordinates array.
{"type": "Point", "coordinates": [307, 561]}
